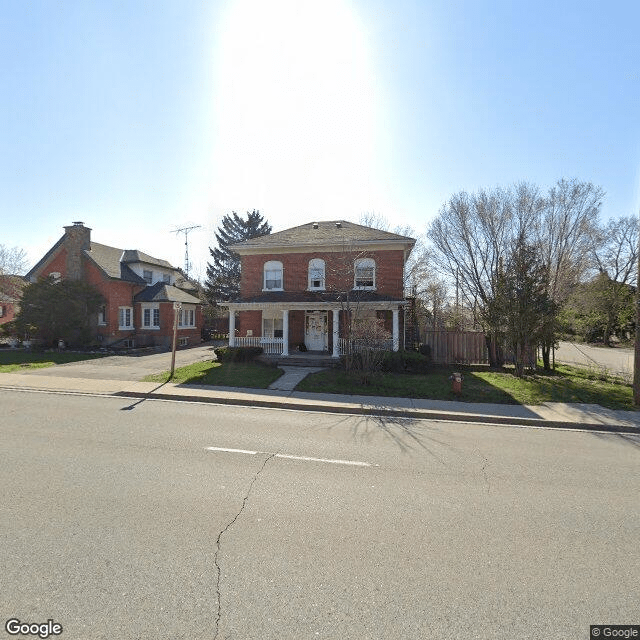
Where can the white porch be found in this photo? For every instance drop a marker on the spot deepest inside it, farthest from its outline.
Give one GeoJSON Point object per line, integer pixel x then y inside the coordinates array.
{"type": "Point", "coordinates": [281, 345]}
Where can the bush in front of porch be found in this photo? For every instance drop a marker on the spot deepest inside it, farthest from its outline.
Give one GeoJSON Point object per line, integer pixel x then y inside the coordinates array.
{"type": "Point", "coordinates": [237, 354]}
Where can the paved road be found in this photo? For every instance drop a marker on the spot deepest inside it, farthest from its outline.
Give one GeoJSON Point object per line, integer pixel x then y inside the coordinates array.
{"type": "Point", "coordinates": [617, 360]}
{"type": "Point", "coordinates": [125, 367]}
{"type": "Point", "coordinates": [117, 521]}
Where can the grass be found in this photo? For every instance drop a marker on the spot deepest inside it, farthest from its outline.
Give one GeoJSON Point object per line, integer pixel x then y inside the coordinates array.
{"type": "Point", "coordinates": [566, 384]}
{"type": "Point", "coordinates": [228, 374]}
{"type": "Point", "coordinates": [16, 360]}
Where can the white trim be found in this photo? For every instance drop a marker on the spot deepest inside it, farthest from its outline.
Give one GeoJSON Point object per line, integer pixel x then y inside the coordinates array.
{"type": "Point", "coordinates": [122, 313]}
{"type": "Point", "coordinates": [320, 264]}
{"type": "Point", "coordinates": [154, 315]}
{"type": "Point", "coordinates": [272, 266]}
{"type": "Point", "coordinates": [364, 263]}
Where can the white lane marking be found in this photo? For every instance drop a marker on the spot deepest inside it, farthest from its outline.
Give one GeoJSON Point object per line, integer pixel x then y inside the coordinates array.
{"type": "Point", "coordinates": [353, 463]}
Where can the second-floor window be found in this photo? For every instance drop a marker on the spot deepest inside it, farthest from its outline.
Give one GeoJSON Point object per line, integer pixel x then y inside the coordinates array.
{"type": "Point", "coordinates": [272, 276]}
{"type": "Point", "coordinates": [364, 273]}
{"type": "Point", "coordinates": [148, 276]}
{"type": "Point", "coordinates": [316, 274]}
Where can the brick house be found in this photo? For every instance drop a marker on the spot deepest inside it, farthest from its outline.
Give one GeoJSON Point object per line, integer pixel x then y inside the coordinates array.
{"type": "Point", "coordinates": [139, 290]}
{"type": "Point", "coordinates": [303, 287]}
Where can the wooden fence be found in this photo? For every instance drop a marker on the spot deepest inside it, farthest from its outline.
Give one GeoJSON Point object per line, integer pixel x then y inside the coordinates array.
{"type": "Point", "coordinates": [457, 347]}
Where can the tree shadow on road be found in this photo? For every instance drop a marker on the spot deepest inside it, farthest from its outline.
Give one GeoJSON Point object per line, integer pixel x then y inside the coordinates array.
{"type": "Point", "coordinates": [630, 439]}
{"type": "Point", "coordinates": [409, 434]}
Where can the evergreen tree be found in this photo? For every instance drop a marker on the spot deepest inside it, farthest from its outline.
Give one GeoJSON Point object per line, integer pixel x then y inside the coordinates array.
{"type": "Point", "coordinates": [223, 274]}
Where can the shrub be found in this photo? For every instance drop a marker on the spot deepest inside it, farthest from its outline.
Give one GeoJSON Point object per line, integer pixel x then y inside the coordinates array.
{"type": "Point", "coordinates": [405, 362]}
{"type": "Point", "coordinates": [237, 354]}
{"type": "Point", "coordinates": [425, 350]}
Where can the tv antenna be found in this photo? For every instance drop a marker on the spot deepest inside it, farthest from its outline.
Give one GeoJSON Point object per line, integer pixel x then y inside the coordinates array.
{"type": "Point", "coordinates": [186, 230]}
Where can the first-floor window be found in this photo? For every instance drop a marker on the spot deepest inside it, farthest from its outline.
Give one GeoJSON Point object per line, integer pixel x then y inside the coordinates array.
{"type": "Point", "coordinates": [187, 317]}
{"type": "Point", "coordinates": [125, 317]}
{"type": "Point", "coordinates": [272, 327]}
{"type": "Point", "coordinates": [150, 317]}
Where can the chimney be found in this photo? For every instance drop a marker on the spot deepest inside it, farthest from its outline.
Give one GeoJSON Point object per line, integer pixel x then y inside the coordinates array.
{"type": "Point", "coordinates": [77, 238]}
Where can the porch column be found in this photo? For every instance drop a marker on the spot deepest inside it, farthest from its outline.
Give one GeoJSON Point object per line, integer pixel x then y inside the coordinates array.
{"type": "Point", "coordinates": [232, 327]}
{"type": "Point", "coordinates": [396, 330]}
{"type": "Point", "coordinates": [336, 334]}
{"type": "Point", "coordinates": [285, 333]}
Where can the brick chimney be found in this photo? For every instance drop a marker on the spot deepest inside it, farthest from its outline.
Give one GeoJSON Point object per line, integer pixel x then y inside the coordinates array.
{"type": "Point", "coordinates": [77, 238]}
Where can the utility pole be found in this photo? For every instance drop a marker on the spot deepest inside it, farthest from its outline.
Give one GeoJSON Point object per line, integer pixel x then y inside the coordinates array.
{"type": "Point", "coordinates": [186, 230]}
{"type": "Point", "coordinates": [636, 358]}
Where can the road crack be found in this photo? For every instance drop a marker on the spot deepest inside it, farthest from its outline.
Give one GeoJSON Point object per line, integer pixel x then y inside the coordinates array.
{"type": "Point", "coordinates": [219, 541]}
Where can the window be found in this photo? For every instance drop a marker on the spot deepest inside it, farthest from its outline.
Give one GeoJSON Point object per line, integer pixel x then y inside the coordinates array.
{"type": "Point", "coordinates": [125, 318]}
{"type": "Point", "coordinates": [151, 317]}
{"type": "Point", "coordinates": [102, 315]}
{"type": "Point", "coordinates": [148, 276]}
{"type": "Point", "coordinates": [272, 327]}
{"type": "Point", "coordinates": [273, 276]}
{"type": "Point", "coordinates": [183, 342]}
{"type": "Point", "coordinates": [187, 317]}
{"type": "Point", "coordinates": [365, 274]}
{"type": "Point", "coordinates": [55, 275]}
{"type": "Point", "coordinates": [166, 278]}
{"type": "Point", "coordinates": [316, 273]}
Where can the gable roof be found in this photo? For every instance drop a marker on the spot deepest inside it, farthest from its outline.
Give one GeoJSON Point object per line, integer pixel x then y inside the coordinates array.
{"type": "Point", "coordinates": [108, 260]}
{"type": "Point", "coordinates": [323, 233]}
{"type": "Point", "coordinates": [161, 292]}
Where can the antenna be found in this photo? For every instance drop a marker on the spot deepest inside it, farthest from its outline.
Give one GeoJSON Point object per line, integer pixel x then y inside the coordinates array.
{"type": "Point", "coordinates": [186, 230]}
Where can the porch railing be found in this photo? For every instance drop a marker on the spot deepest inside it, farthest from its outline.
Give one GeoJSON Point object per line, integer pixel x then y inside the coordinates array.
{"type": "Point", "coordinates": [270, 346]}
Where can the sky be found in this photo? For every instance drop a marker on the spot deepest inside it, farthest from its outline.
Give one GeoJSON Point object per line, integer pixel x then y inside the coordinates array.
{"type": "Point", "coordinates": [140, 117]}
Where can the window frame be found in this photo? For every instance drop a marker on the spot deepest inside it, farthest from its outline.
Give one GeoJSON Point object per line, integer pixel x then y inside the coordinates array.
{"type": "Point", "coordinates": [319, 264]}
{"type": "Point", "coordinates": [269, 332]}
{"type": "Point", "coordinates": [148, 279]}
{"type": "Point", "coordinates": [150, 317]}
{"type": "Point", "coordinates": [189, 312]}
{"type": "Point", "coordinates": [122, 312]}
{"type": "Point", "coordinates": [272, 266]}
{"type": "Point", "coordinates": [364, 263]}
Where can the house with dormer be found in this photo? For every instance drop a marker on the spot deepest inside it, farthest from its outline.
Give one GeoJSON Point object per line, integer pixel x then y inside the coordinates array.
{"type": "Point", "coordinates": [303, 288]}
{"type": "Point", "coordinates": [141, 293]}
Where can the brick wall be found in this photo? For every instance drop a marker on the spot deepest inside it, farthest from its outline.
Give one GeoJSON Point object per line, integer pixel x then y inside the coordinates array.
{"type": "Point", "coordinates": [338, 271]}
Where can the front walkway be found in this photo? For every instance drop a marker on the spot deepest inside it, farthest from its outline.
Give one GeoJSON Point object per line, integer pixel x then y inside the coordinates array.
{"type": "Point", "coordinates": [292, 376]}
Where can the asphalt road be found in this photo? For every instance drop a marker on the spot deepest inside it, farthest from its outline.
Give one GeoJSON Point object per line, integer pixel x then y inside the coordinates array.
{"type": "Point", "coordinates": [616, 360]}
{"type": "Point", "coordinates": [118, 521]}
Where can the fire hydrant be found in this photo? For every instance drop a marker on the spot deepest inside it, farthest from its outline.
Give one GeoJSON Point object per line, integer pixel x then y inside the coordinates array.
{"type": "Point", "coordinates": [456, 383]}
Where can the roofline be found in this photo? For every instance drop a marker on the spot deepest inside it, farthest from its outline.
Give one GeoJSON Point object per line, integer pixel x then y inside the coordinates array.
{"type": "Point", "coordinates": [44, 258]}
{"type": "Point", "coordinates": [333, 247]}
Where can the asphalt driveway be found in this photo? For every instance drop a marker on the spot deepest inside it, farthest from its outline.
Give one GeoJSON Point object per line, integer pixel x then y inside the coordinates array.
{"type": "Point", "coordinates": [132, 367]}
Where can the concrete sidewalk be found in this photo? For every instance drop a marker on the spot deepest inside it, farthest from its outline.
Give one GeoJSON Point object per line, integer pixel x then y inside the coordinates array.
{"type": "Point", "coordinates": [557, 415]}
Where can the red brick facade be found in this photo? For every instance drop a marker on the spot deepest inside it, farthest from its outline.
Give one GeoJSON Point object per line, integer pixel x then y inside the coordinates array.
{"type": "Point", "coordinates": [117, 293]}
{"type": "Point", "coordinates": [338, 271]}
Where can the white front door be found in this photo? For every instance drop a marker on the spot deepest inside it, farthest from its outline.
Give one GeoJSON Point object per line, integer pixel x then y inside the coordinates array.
{"type": "Point", "coordinates": [315, 331]}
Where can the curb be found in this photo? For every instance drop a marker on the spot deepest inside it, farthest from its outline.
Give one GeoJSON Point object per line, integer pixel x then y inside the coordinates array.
{"type": "Point", "coordinates": [391, 413]}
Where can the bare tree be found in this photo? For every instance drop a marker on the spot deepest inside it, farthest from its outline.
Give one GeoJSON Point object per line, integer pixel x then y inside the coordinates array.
{"type": "Point", "coordinates": [13, 261]}
{"type": "Point", "coordinates": [565, 235]}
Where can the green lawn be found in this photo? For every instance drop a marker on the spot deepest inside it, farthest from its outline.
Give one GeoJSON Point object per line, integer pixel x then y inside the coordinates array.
{"type": "Point", "coordinates": [566, 384]}
{"type": "Point", "coordinates": [15, 360]}
{"type": "Point", "coordinates": [227, 374]}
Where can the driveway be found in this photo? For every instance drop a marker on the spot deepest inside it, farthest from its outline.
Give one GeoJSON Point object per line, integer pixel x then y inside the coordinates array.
{"type": "Point", "coordinates": [126, 367]}
{"type": "Point", "coordinates": [615, 359]}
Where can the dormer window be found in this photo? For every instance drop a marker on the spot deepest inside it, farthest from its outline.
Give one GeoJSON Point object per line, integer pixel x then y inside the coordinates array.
{"type": "Point", "coordinates": [316, 274]}
{"type": "Point", "coordinates": [364, 273]}
{"type": "Point", "coordinates": [166, 278]}
{"type": "Point", "coordinates": [273, 276]}
{"type": "Point", "coordinates": [148, 276]}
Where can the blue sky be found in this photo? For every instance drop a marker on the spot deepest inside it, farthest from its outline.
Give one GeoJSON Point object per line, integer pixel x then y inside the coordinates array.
{"type": "Point", "coordinates": [140, 117]}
